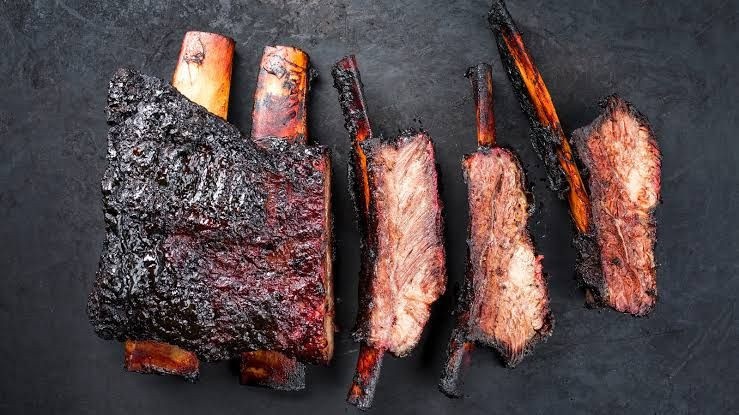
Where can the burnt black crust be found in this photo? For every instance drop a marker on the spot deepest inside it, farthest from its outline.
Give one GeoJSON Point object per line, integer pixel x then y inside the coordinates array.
{"type": "Point", "coordinates": [588, 265]}
{"type": "Point", "coordinates": [343, 81]}
{"type": "Point", "coordinates": [544, 139]}
{"type": "Point", "coordinates": [161, 147]}
{"type": "Point", "coordinates": [588, 270]}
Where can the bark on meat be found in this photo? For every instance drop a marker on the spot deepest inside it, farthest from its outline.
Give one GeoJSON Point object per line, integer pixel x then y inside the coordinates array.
{"type": "Point", "coordinates": [212, 244]}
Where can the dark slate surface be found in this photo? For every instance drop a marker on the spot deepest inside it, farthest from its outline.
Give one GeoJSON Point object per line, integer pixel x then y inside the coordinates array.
{"type": "Point", "coordinates": [676, 61]}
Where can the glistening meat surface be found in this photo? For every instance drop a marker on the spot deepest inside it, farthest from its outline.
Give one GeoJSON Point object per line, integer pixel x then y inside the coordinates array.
{"type": "Point", "coordinates": [508, 301]}
{"type": "Point", "coordinates": [212, 244]}
{"type": "Point", "coordinates": [407, 270]}
{"type": "Point", "coordinates": [621, 156]}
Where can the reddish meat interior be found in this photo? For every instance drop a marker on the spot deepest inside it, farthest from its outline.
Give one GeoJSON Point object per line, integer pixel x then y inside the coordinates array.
{"type": "Point", "coordinates": [510, 305]}
{"type": "Point", "coordinates": [409, 272]}
{"type": "Point", "coordinates": [621, 155]}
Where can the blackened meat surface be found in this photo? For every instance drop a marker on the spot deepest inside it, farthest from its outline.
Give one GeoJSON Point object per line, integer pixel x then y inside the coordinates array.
{"type": "Point", "coordinates": [407, 270]}
{"type": "Point", "coordinates": [621, 156]}
{"type": "Point", "coordinates": [508, 304]}
{"type": "Point", "coordinates": [212, 244]}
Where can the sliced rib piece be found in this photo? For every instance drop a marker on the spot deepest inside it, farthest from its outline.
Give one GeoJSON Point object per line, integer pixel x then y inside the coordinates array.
{"type": "Point", "coordinates": [405, 270]}
{"type": "Point", "coordinates": [202, 74]}
{"type": "Point", "coordinates": [212, 244]}
{"type": "Point", "coordinates": [620, 154]}
{"type": "Point", "coordinates": [408, 271]}
{"type": "Point", "coordinates": [551, 144]}
{"type": "Point", "coordinates": [509, 305]}
{"type": "Point", "coordinates": [403, 266]}
{"type": "Point", "coordinates": [504, 302]}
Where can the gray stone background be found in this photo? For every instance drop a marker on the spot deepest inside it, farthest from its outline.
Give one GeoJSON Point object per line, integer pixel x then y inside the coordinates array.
{"type": "Point", "coordinates": [675, 60]}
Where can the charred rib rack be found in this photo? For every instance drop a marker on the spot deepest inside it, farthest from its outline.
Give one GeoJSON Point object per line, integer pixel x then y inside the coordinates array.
{"type": "Point", "coordinates": [206, 80]}
{"type": "Point", "coordinates": [403, 270]}
{"type": "Point", "coordinates": [504, 301]}
{"type": "Point", "coordinates": [620, 154]}
{"type": "Point", "coordinates": [636, 283]}
{"type": "Point", "coordinates": [213, 245]}
{"type": "Point", "coordinates": [203, 74]}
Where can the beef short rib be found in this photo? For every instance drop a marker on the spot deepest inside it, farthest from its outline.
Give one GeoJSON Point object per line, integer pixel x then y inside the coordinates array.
{"type": "Point", "coordinates": [403, 261]}
{"type": "Point", "coordinates": [212, 244]}
{"type": "Point", "coordinates": [622, 161]}
{"type": "Point", "coordinates": [615, 243]}
{"type": "Point", "coordinates": [504, 301]}
{"type": "Point", "coordinates": [407, 270]}
{"type": "Point", "coordinates": [508, 300]}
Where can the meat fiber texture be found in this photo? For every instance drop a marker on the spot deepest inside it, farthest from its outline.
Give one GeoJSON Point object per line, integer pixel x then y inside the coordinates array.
{"type": "Point", "coordinates": [622, 162]}
{"type": "Point", "coordinates": [506, 293]}
{"type": "Point", "coordinates": [212, 244]}
{"type": "Point", "coordinates": [407, 270]}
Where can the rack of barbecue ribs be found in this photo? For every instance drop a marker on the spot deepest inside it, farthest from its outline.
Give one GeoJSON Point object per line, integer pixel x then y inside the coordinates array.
{"type": "Point", "coordinates": [403, 266]}
{"type": "Point", "coordinates": [217, 246]}
{"type": "Point", "coordinates": [504, 301]}
{"type": "Point", "coordinates": [614, 215]}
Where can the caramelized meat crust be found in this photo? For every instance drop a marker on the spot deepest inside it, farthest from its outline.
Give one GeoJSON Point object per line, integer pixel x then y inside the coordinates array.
{"type": "Point", "coordinates": [212, 244]}
{"type": "Point", "coordinates": [407, 270]}
{"type": "Point", "coordinates": [159, 358]}
{"type": "Point", "coordinates": [508, 300]}
{"type": "Point", "coordinates": [272, 370]}
{"type": "Point", "coordinates": [621, 156]}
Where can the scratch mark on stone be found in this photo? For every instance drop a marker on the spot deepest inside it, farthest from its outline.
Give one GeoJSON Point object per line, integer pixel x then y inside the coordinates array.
{"type": "Point", "coordinates": [74, 13]}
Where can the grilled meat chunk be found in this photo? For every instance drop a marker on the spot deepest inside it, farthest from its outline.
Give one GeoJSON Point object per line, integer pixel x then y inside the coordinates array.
{"type": "Point", "coordinates": [408, 271]}
{"type": "Point", "coordinates": [281, 111]}
{"type": "Point", "coordinates": [509, 305]}
{"type": "Point", "coordinates": [404, 265]}
{"type": "Point", "coordinates": [203, 75]}
{"type": "Point", "coordinates": [615, 244]}
{"type": "Point", "coordinates": [504, 302]}
{"type": "Point", "coordinates": [620, 154]}
{"type": "Point", "coordinates": [212, 244]}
